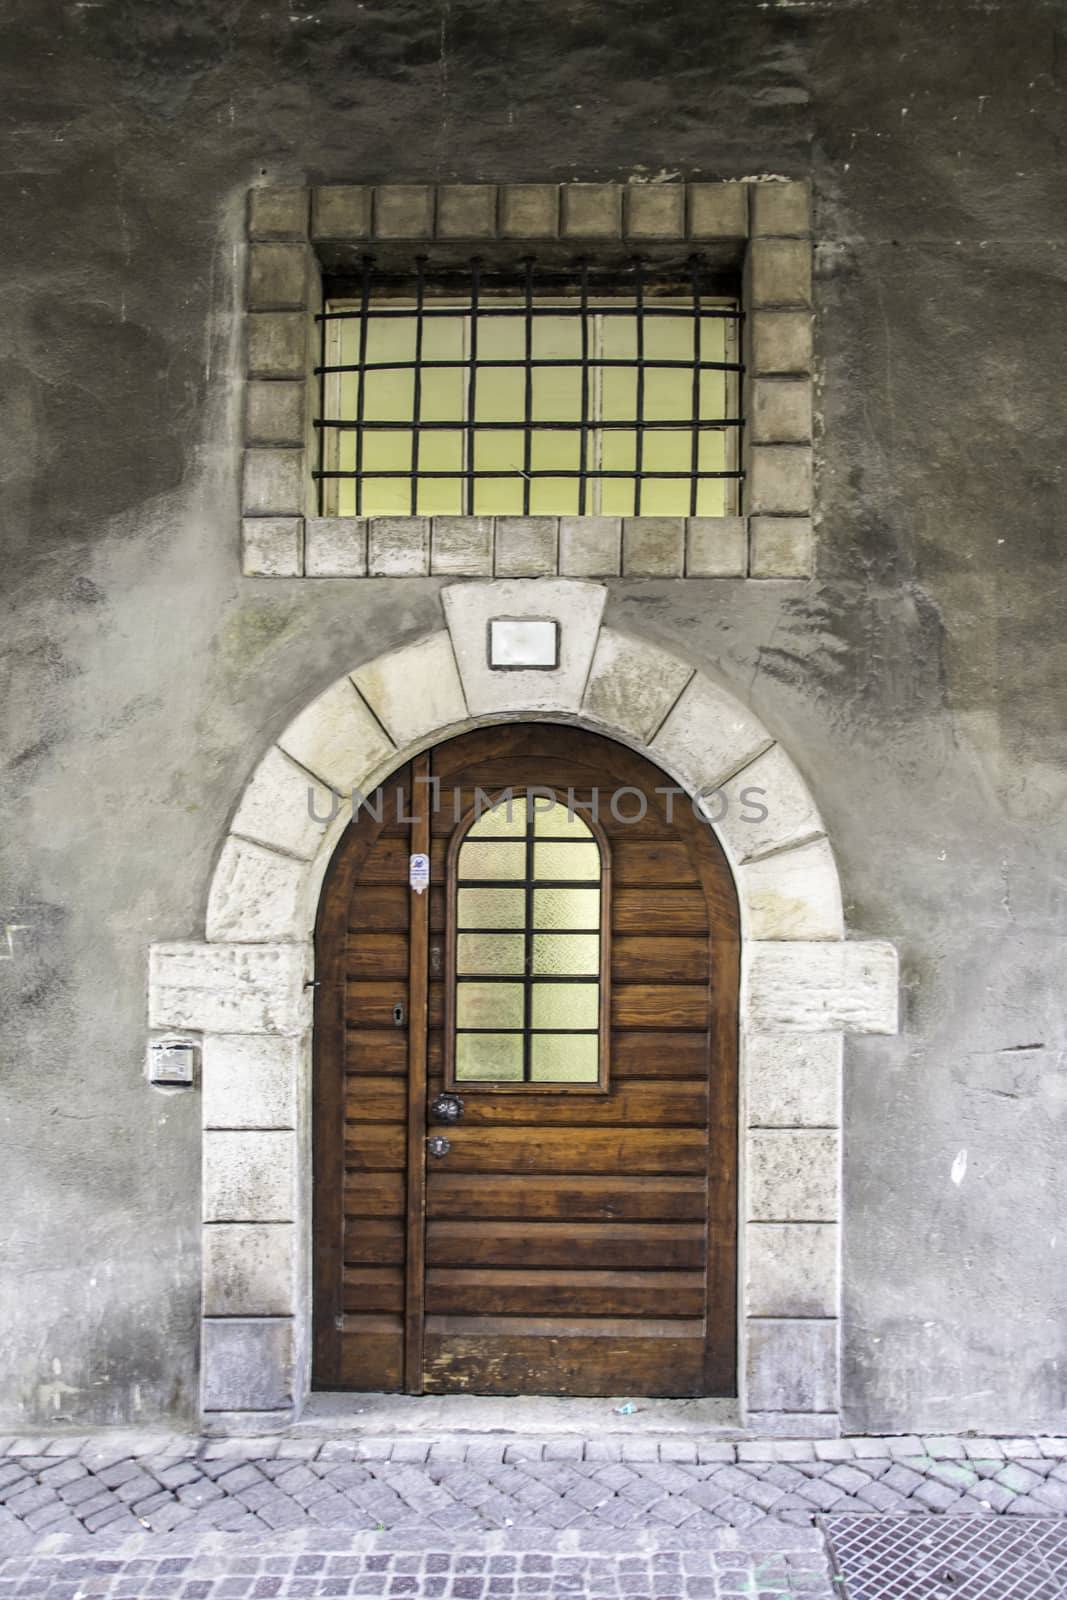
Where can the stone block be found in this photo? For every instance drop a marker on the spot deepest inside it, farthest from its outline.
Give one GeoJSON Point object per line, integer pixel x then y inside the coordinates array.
{"type": "Point", "coordinates": [655, 211]}
{"type": "Point", "coordinates": [416, 690]}
{"type": "Point", "coordinates": [780, 208]}
{"type": "Point", "coordinates": [341, 211]}
{"type": "Point", "coordinates": [273, 483]}
{"type": "Point", "coordinates": [280, 213]}
{"type": "Point", "coordinates": [529, 211]}
{"type": "Point", "coordinates": [274, 413]}
{"type": "Point", "coordinates": [248, 1365]}
{"type": "Point", "coordinates": [781, 547]}
{"type": "Point", "coordinates": [780, 342]}
{"type": "Point", "coordinates": [779, 272]}
{"type": "Point", "coordinates": [272, 547]}
{"type": "Point", "coordinates": [592, 211]}
{"type": "Point", "coordinates": [250, 1080]}
{"type": "Point", "coordinates": [526, 547]}
{"type": "Point", "coordinates": [403, 211]}
{"type": "Point", "coordinates": [780, 478]}
{"type": "Point", "coordinates": [791, 1269]}
{"type": "Point", "coordinates": [335, 547]}
{"type": "Point", "coordinates": [466, 211]}
{"type": "Point", "coordinates": [256, 895]}
{"type": "Point", "coordinates": [792, 1366]}
{"type": "Point", "coordinates": [249, 1176]}
{"type": "Point", "coordinates": [783, 1424]}
{"type": "Point", "coordinates": [398, 547]}
{"type": "Point", "coordinates": [590, 547]}
{"type": "Point", "coordinates": [718, 211]}
{"type": "Point", "coordinates": [576, 606]}
{"type": "Point", "coordinates": [248, 1269]}
{"type": "Point", "coordinates": [806, 987]}
{"type": "Point", "coordinates": [632, 684]}
{"type": "Point", "coordinates": [274, 809]}
{"type": "Point", "coordinates": [337, 738]}
{"type": "Point", "coordinates": [792, 1080]}
{"type": "Point", "coordinates": [766, 806]}
{"type": "Point", "coordinates": [707, 735]}
{"type": "Point", "coordinates": [781, 411]}
{"type": "Point", "coordinates": [462, 547]}
{"type": "Point", "coordinates": [276, 344]}
{"type": "Point", "coordinates": [653, 547]}
{"type": "Point", "coordinates": [278, 276]}
{"type": "Point", "coordinates": [229, 988]}
{"type": "Point", "coordinates": [794, 1175]}
{"type": "Point", "coordinates": [716, 547]}
{"type": "Point", "coordinates": [793, 894]}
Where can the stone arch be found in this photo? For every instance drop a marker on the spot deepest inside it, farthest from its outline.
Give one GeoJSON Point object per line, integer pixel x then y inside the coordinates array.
{"type": "Point", "coordinates": [245, 989]}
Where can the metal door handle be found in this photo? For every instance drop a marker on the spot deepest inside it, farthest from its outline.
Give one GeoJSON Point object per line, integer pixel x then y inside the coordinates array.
{"type": "Point", "coordinates": [439, 1145]}
{"type": "Point", "coordinates": [447, 1108]}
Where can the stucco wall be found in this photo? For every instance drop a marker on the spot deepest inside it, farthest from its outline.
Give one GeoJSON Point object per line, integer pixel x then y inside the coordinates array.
{"type": "Point", "coordinates": [919, 681]}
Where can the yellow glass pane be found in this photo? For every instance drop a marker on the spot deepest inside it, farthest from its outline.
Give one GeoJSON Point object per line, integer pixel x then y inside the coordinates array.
{"type": "Point", "coordinates": [564, 1058]}
{"type": "Point", "coordinates": [557, 909]}
{"type": "Point", "coordinates": [492, 858]}
{"type": "Point", "coordinates": [506, 817]}
{"type": "Point", "coordinates": [562, 859]}
{"type": "Point", "coordinates": [566, 954]}
{"type": "Point", "coordinates": [495, 954]}
{"type": "Point", "coordinates": [488, 1057]}
{"type": "Point", "coordinates": [489, 1005]}
{"type": "Point", "coordinates": [491, 908]}
{"type": "Point", "coordinates": [565, 1005]}
{"type": "Point", "coordinates": [556, 822]}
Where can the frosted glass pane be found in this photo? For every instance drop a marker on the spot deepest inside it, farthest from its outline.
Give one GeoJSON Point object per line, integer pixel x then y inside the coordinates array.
{"type": "Point", "coordinates": [495, 953]}
{"type": "Point", "coordinates": [566, 908]}
{"type": "Point", "coordinates": [561, 859]}
{"type": "Point", "coordinates": [492, 908]}
{"type": "Point", "coordinates": [565, 1005]}
{"type": "Point", "coordinates": [553, 822]}
{"type": "Point", "coordinates": [566, 954]}
{"type": "Point", "coordinates": [489, 1005]}
{"type": "Point", "coordinates": [506, 820]}
{"type": "Point", "coordinates": [488, 1057]}
{"type": "Point", "coordinates": [564, 1058]}
{"type": "Point", "coordinates": [492, 858]}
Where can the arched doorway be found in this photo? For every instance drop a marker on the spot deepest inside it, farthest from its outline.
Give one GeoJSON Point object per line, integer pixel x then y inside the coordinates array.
{"type": "Point", "coordinates": [525, 1080]}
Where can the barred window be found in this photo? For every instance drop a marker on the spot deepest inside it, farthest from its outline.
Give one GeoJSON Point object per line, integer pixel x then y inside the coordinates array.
{"type": "Point", "coordinates": [559, 390]}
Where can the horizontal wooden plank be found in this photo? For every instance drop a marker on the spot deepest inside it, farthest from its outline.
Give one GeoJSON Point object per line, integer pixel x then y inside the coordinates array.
{"type": "Point", "coordinates": [386, 907]}
{"type": "Point", "coordinates": [375, 1148]}
{"type": "Point", "coordinates": [565, 1198]}
{"type": "Point", "coordinates": [373, 1289]}
{"type": "Point", "coordinates": [374, 1194]}
{"type": "Point", "coordinates": [648, 958]}
{"type": "Point", "coordinates": [615, 1245]}
{"type": "Point", "coordinates": [660, 862]}
{"type": "Point", "coordinates": [370, 1099]}
{"type": "Point", "coordinates": [461, 1291]}
{"type": "Point", "coordinates": [517, 1364]}
{"type": "Point", "coordinates": [374, 1242]}
{"type": "Point", "coordinates": [370, 1004]}
{"type": "Point", "coordinates": [655, 1104]}
{"type": "Point", "coordinates": [571, 1150]}
{"type": "Point", "coordinates": [383, 1052]}
{"type": "Point", "coordinates": [652, 1005]}
{"type": "Point", "coordinates": [376, 955]}
{"type": "Point", "coordinates": [372, 1354]}
{"type": "Point", "coordinates": [659, 1055]}
{"type": "Point", "coordinates": [669, 911]}
{"type": "Point", "coordinates": [457, 800]}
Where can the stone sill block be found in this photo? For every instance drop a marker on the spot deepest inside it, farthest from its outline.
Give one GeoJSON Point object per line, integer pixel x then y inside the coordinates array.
{"type": "Point", "coordinates": [764, 546]}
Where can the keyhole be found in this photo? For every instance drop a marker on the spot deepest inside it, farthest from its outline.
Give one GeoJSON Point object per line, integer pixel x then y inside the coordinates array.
{"type": "Point", "coordinates": [398, 1015]}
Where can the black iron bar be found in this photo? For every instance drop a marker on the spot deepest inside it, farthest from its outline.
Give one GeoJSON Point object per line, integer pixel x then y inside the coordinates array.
{"type": "Point", "coordinates": [538, 361]}
{"type": "Point", "coordinates": [416, 398]}
{"type": "Point", "coordinates": [639, 438]}
{"type": "Point", "coordinates": [320, 496]}
{"type": "Point", "coordinates": [472, 382]}
{"type": "Point", "coordinates": [676, 424]}
{"type": "Point", "coordinates": [727, 313]}
{"type": "Point", "coordinates": [694, 451]}
{"type": "Point", "coordinates": [537, 472]}
{"type": "Point", "coordinates": [361, 385]}
{"type": "Point", "coordinates": [583, 438]}
{"type": "Point", "coordinates": [527, 404]}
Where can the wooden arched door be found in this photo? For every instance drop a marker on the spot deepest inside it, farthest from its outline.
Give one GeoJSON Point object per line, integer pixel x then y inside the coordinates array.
{"type": "Point", "coordinates": [526, 1080]}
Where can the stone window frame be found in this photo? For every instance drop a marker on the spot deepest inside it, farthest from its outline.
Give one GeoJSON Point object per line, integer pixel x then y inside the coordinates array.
{"type": "Point", "coordinates": [763, 225]}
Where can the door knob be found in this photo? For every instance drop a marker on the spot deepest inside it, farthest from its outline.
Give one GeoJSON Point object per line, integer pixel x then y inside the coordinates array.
{"type": "Point", "coordinates": [439, 1145]}
{"type": "Point", "coordinates": [447, 1108]}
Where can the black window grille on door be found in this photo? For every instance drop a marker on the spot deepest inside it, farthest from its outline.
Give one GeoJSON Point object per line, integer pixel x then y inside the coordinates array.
{"type": "Point", "coordinates": [535, 388]}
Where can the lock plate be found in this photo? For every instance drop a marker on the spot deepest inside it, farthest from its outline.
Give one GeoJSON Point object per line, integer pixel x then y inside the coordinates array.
{"type": "Point", "coordinates": [439, 1146]}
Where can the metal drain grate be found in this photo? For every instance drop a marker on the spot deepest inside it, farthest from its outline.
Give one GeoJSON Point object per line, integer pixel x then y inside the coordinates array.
{"type": "Point", "coordinates": [949, 1558]}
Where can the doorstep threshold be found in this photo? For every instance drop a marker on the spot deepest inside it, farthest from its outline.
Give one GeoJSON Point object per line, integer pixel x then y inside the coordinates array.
{"type": "Point", "coordinates": [347, 1413]}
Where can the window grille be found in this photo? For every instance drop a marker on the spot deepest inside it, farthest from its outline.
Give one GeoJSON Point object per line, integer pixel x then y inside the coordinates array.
{"type": "Point", "coordinates": [540, 390]}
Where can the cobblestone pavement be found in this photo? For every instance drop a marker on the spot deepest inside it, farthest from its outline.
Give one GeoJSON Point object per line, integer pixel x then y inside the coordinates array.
{"type": "Point", "coordinates": [471, 1515]}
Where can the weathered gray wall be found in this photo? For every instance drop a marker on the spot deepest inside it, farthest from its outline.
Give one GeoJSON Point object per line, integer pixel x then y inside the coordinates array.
{"type": "Point", "coordinates": [921, 681]}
